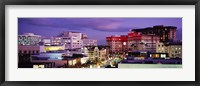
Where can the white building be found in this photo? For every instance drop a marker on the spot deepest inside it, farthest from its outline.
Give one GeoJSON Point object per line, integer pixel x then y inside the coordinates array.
{"type": "Point", "coordinates": [46, 41]}
{"type": "Point", "coordinates": [66, 41]}
{"type": "Point", "coordinates": [89, 42]}
{"type": "Point", "coordinates": [71, 40]}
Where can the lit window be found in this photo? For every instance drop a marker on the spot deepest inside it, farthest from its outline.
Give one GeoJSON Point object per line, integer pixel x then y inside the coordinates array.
{"type": "Point", "coordinates": [163, 55]}
{"type": "Point", "coordinates": [38, 66]}
{"type": "Point", "coordinates": [74, 62]}
{"type": "Point", "coordinates": [157, 55]}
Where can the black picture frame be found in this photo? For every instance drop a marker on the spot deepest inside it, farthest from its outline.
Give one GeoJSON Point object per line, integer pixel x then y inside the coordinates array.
{"type": "Point", "coordinates": [98, 2]}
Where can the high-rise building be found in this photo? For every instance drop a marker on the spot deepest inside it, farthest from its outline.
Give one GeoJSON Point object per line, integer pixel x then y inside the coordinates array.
{"type": "Point", "coordinates": [29, 39]}
{"type": "Point", "coordinates": [71, 40]}
{"type": "Point", "coordinates": [117, 43]}
{"type": "Point", "coordinates": [66, 41]}
{"type": "Point", "coordinates": [134, 41]}
{"type": "Point", "coordinates": [165, 33]}
{"type": "Point", "coordinates": [148, 42]}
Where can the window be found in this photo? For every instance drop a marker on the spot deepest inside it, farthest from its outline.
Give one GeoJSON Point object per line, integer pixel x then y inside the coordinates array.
{"type": "Point", "coordinates": [163, 55]}
{"type": "Point", "coordinates": [29, 52]}
{"type": "Point", "coordinates": [20, 51]}
{"type": "Point", "coordinates": [33, 51]}
{"type": "Point", "coordinates": [38, 66]}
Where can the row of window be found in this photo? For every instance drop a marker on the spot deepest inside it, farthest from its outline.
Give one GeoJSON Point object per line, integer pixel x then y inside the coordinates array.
{"type": "Point", "coordinates": [29, 51]}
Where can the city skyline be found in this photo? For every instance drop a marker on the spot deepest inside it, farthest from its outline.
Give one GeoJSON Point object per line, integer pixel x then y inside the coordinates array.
{"type": "Point", "coordinates": [95, 28]}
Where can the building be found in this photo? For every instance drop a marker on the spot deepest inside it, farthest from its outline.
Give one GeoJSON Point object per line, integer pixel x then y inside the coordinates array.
{"type": "Point", "coordinates": [165, 33]}
{"type": "Point", "coordinates": [71, 40]}
{"type": "Point", "coordinates": [134, 41]}
{"type": "Point", "coordinates": [161, 48]}
{"type": "Point", "coordinates": [148, 42]}
{"type": "Point", "coordinates": [174, 49]}
{"type": "Point", "coordinates": [28, 49]}
{"type": "Point", "coordinates": [46, 41]}
{"type": "Point", "coordinates": [76, 60]}
{"type": "Point", "coordinates": [59, 41]}
{"type": "Point", "coordinates": [117, 44]}
{"type": "Point", "coordinates": [96, 52]}
{"type": "Point", "coordinates": [158, 55]}
{"type": "Point", "coordinates": [24, 53]}
{"type": "Point", "coordinates": [29, 39]}
{"type": "Point", "coordinates": [150, 63]}
{"type": "Point", "coordinates": [89, 42]}
{"type": "Point", "coordinates": [134, 38]}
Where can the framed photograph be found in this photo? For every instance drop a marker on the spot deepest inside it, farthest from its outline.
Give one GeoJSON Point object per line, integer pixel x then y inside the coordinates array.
{"type": "Point", "coordinates": [109, 42]}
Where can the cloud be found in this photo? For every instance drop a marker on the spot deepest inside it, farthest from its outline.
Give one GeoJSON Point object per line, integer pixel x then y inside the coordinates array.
{"type": "Point", "coordinates": [100, 24]}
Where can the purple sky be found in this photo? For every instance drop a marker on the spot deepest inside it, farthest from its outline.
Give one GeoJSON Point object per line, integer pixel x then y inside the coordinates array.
{"type": "Point", "coordinates": [95, 28]}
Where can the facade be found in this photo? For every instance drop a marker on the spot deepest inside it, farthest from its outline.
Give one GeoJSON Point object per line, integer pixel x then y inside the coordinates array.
{"type": "Point", "coordinates": [117, 43]}
{"type": "Point", "coordinates": [29, 39]}
{"type": "Point", "coordinates": [76, 42]}
{"type": "Point", "coordinates": [134, 38]}
{"type": "Point", "coordinates": [59, 41]}
{"type": "Point", "coordinates": [58, 60]}
{"type": "Point", "coordinates": [148, 42]}
{"type": "Point", "coordinates": [89, 42]}
{"type": "Point", "coordinates": [71, 40]}
{"type": "Point", "coordinates": [134, 41]}
{"type": "Point", "coordinates": [165, 33]}
{"type": "Point", "coordinates": [28, 49]}
{"type": "Point", "coordinates": [46, 41]}
{"type": "Point", "coordinates": [96, 52]}
{"type": "Point", "coordinates": [161, 48]}
{"type": "Point", "coordinates": [174, 49]}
